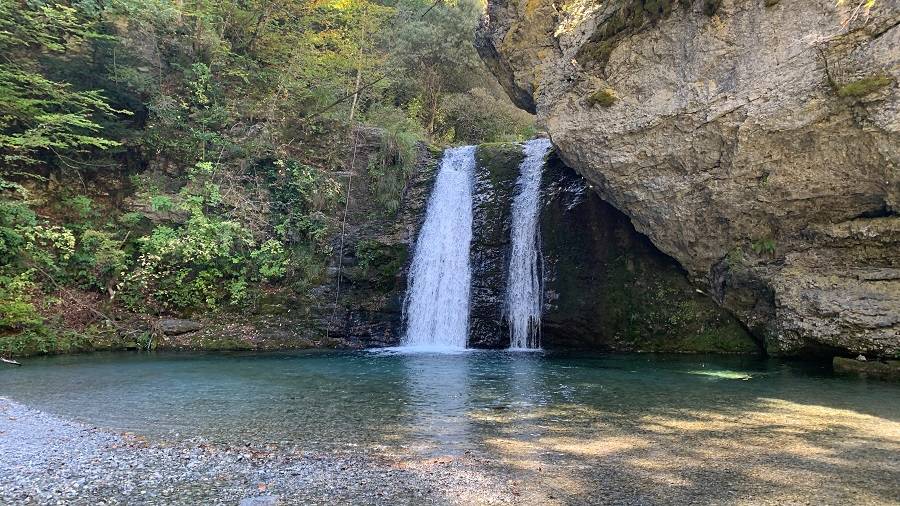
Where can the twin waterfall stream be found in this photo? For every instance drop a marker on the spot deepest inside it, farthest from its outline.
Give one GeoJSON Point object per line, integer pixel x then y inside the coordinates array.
{"type": "Point", "coordinates": [438, 295]}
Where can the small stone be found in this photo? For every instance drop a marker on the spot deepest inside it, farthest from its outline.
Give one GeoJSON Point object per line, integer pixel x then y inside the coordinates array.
{"type": "Point", "coordinates": [263, 500]}
{"type": "Point", "coordinates": [175, 326]}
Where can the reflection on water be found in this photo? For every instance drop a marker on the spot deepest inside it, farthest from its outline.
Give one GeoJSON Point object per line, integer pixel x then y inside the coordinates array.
{"type": "Point", "coordinates": [438, 396]}
{"type": "Point", "coordinates": [425, 402]}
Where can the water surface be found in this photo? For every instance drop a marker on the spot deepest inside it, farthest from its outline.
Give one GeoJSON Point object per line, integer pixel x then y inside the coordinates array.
{"type": "Point", "coordinates": [424, 402]}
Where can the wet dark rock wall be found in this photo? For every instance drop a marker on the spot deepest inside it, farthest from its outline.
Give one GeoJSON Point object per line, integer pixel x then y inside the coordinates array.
{"type": "Point", "coordinates": [496, 170]}
{"type": "Point", "coordinates": [605, 285]}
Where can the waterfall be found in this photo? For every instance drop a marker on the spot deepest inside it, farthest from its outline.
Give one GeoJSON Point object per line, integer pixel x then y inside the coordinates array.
{"type": "Point", "coordinates": [437, 300]}
{"type": "Point", "coordinates": [524, 291]}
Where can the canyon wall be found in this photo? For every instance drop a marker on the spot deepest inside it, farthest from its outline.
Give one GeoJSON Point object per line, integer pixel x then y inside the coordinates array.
{"type": "Point", "coordinates": [757, 142]}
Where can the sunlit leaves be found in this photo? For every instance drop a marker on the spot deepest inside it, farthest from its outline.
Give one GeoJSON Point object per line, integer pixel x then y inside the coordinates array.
{"type": "Point", "coordinates": [38, 113]}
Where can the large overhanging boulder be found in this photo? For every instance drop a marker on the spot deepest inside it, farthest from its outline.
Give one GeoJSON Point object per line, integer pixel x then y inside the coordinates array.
{"type": "Point", "coordinates": [755, 141]}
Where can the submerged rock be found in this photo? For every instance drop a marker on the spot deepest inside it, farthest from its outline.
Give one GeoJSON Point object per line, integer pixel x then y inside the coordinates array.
{"type": "Point", "coordinates": [886, 370]}
{"type": "Point", "coordinates": [757, 143]}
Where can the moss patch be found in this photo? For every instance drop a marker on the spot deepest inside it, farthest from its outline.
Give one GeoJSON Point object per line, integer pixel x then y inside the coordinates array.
{"type": "Point", "coordinates": [604, 97]}
{"type": "Point", "coordinates": [378, 262]}
{"type": "Point", "coordinates": [48, 340]}
{"type": "Point", "coordinates": [500, 160]}
{"type": "Point", "coordinates": [223, 343]}
{"type": "Point", "coordinates": [612, 289]}
{"type": "Point", "coordinates": [864, 86]}
{"type": "Point", "coordinates": [658, 311]}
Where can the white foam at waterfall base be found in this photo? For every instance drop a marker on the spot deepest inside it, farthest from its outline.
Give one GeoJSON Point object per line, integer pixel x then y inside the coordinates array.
{"type": "Point", "coordinates": [437, 299]}
{"type": "Point", "coordinates": [524, 290]}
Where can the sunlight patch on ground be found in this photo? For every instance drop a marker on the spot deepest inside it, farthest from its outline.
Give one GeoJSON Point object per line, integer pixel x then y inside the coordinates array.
{"type": "Point", "coordinates": [597, 447]}
{"type": "Point", "coordinates": [772, 448]}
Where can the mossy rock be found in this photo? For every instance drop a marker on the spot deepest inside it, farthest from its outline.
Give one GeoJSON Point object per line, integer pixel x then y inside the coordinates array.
{"type": "Point", "coordinates": [378, 262]}
{"type": "Point", "coordinates": [222, 343]}
{"type": "Point", "coordinates": [864, 86]}
{"type": "Point", "coordinates": [710, 7]}
{"type": "Point", "coordinates": [499, 160]}
{"type": "Point", "coordinates": [604, 97]}
{"type": "Point", "coordinates": [496, 172]}
{"type": "Point", "coordinates": [888, 370]}
{"type": "Point", "coordinates": [656, 309]}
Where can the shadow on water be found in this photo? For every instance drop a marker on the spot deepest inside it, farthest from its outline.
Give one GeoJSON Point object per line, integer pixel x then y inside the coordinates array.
{"type": "Point", "coordinates": [638, 428]}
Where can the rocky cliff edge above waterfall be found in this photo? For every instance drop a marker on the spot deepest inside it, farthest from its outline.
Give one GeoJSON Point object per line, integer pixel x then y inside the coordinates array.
{"type": "Point", "coordinates": [755, 141]}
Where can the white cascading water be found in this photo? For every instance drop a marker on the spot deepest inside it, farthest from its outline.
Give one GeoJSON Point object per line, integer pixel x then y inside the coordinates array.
{"type": "Point", "coordinates": [524, 291]}
{"type": "Point", "coordinates": [437, 300]}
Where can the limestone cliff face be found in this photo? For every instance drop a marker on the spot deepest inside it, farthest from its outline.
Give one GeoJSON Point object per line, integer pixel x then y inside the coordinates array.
{"type": "Point", "coordinates": [755, 141]}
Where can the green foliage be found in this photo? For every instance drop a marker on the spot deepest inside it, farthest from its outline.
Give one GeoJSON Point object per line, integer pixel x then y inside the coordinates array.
{"type": "Point", "coordinates": [39, 114]}
{"type": "Point", "coordinates": [194, 265]}
{"type": "Point", "coordinates": [211, 260]}
{"type": "Point", "coordinates": [16, 309]}
{"type": "Point", "coordinates": [99, 261]}
{"type": "Point", "coordinates": [18, 226]}
{"type": "Point", "coordinates": [477, 116]}
{"type": "Point", "coordinates": [764, 246]}
{"type": "Point", "coordinates": [161, 203]}
{"type": "Point", "coordinates": [15, 217]}
{"type": "Point", "coordinates": [865, 86]}
{"type": "Point", "coordinates": [81, 206]}
{"type": "Point", "coordinates": [43, 339]}
{"type": "Point", "coordinates": [272, 260]}
{"type": "Point", "coordinates": [225, 177]}
{"type": "Point", "coordinates": [300, 197]}
{"type": "Point", "coordinates": [438, 74]}
{"type": "Point", "coordinates": [390, 166]}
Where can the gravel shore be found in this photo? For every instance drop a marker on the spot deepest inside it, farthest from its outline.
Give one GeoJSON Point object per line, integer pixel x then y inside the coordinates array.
{"type": "Point", "coordinates": [775, 453]}
{"type": "Point", "coordinates": [47, 460]}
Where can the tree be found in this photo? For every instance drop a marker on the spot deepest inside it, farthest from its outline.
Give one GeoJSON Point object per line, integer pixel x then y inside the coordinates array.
{"type": "Point", "coordinates": [435, 50]}
{"type": "Point", "coordinates": [39, 114]}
